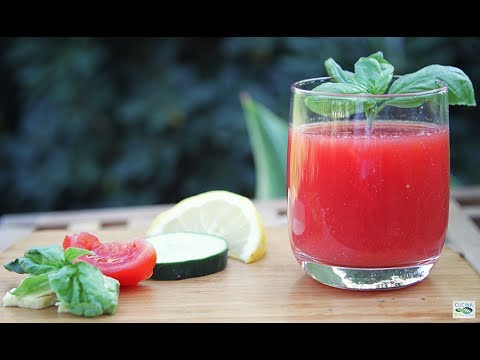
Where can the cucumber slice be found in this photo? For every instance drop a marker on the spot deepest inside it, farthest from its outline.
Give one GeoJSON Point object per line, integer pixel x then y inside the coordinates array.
{"type": "Point", "coordinates": [183, 255]}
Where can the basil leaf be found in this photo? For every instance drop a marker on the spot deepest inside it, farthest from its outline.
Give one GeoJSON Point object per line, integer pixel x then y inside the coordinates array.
{"type": "Point", "coordinates": [409, 102]}
{"type": "Point", "coordinates": [332, 106]}
{"type": "Point", "coordinates": [366, 72]}
{"type": "Point", "coordinates": [15, 265]}
{"type": "Point", "coordinates": [38, 260]}
{"type": "Point", "coordinates": [33, 284]}
{"type": "Point", "coordinates": [337, 73]}
{"type": "Point", "coordinates": [460, 88]}
{"type": "Point", "coordinates": [374, 73]}
{"type": "Point", "coordinates": [25, 265]}
{"type": "Point", "coordinates": [72, 253]}
{"type": "Point", "coordinates": [339, 88]}
{"type": "Point", "coordinates": [379, 57]}
{"type": "Point", "coordinates": [82, 289]}
{"type": "Point", "coordinates": [47, 255]}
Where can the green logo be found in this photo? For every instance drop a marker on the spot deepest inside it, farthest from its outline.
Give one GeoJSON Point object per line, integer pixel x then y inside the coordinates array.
{"type": "Point", "coordinates": [464, 310]}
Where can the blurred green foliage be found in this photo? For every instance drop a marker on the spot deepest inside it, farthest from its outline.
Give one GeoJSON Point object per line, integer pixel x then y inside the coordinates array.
{"type": "Point", "coordinates": [269, 142]}
{"type": "Point", "coordinates": [96, 122]}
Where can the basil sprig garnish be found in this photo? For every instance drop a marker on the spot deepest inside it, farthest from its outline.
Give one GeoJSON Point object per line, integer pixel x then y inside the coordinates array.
{"type": "Point", "coordinates": [80, 288]}
{"type": "Point", "coordinates": [373, 75]}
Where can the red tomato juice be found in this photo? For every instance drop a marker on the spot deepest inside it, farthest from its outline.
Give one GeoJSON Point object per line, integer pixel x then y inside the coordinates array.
{"type": "Point", "coordinates": [368, 199]}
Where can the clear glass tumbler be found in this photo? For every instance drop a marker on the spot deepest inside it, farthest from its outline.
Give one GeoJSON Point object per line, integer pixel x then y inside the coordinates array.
{"type": "Point", "coordinates": [368, 185]}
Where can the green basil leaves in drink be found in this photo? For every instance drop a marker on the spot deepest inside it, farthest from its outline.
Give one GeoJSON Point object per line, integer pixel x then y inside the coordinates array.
{"type": "Point", "coordinates": [337, 73]}
{"type": "Point", "coordinates": [373, 76]}
{"type": "Point", "coordinates": [333, 106]}
{"type": "Point", "coordinates": [374, 73]}
{"type": "Point", "coordinates": [460, 88]}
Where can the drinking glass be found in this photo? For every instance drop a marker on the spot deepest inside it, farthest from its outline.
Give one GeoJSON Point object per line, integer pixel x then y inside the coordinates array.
{"type": "Point", "coordinates": [367, 185]}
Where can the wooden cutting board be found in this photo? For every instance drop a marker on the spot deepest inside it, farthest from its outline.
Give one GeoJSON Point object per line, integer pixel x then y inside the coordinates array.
{"type": "Point", "coordinates": [273, 289]}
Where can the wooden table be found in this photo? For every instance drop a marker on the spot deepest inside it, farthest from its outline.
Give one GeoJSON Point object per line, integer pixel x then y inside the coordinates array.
{"type": "Point", "coordinates": [273, 289]}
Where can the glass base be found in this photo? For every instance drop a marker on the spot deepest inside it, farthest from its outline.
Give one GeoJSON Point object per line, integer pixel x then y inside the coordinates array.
{"type": "Point", "coordinates": [367, 278]}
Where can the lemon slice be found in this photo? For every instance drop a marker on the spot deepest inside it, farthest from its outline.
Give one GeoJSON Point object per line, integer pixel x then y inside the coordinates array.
{"type": "Point", "coordinates": [221, 213]}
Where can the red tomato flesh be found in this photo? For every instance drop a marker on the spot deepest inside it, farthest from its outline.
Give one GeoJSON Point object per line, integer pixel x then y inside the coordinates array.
{"type": "Point", "coordinates": [128, 262]}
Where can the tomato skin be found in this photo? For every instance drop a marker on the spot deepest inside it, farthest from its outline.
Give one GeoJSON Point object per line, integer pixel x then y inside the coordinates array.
{"type": "Point", "coordinates": [128, 262]}
{"type": "Point", "coordinates": [82, 240]}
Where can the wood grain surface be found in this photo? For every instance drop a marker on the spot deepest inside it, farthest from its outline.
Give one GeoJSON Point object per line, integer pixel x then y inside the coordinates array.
{"type": "Point", "coordinates": [273, 289]}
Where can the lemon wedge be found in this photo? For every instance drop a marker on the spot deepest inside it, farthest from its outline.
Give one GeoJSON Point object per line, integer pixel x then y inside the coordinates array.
{"type": "Point", "coordinates": [230, 216]}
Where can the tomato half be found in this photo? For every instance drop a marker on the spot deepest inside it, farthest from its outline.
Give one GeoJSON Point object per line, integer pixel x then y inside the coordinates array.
{"type": "Point", "coordinates": [128, 262]}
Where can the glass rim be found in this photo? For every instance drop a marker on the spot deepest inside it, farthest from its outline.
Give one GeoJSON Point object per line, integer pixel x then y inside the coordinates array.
{"type": "Point", "coordinates": [296, 89]}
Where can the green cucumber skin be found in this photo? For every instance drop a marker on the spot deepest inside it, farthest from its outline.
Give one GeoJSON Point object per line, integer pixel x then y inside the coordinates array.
{"type": "Point", "coordinates": [191, 268]}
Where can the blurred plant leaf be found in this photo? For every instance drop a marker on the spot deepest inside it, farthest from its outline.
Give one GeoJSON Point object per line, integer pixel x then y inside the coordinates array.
{"type": "Point", "coordinates": [268, 137]}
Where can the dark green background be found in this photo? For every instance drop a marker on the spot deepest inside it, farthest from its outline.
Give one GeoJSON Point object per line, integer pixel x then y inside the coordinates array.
{"type": "Point", "coordinates": [99, 122]}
